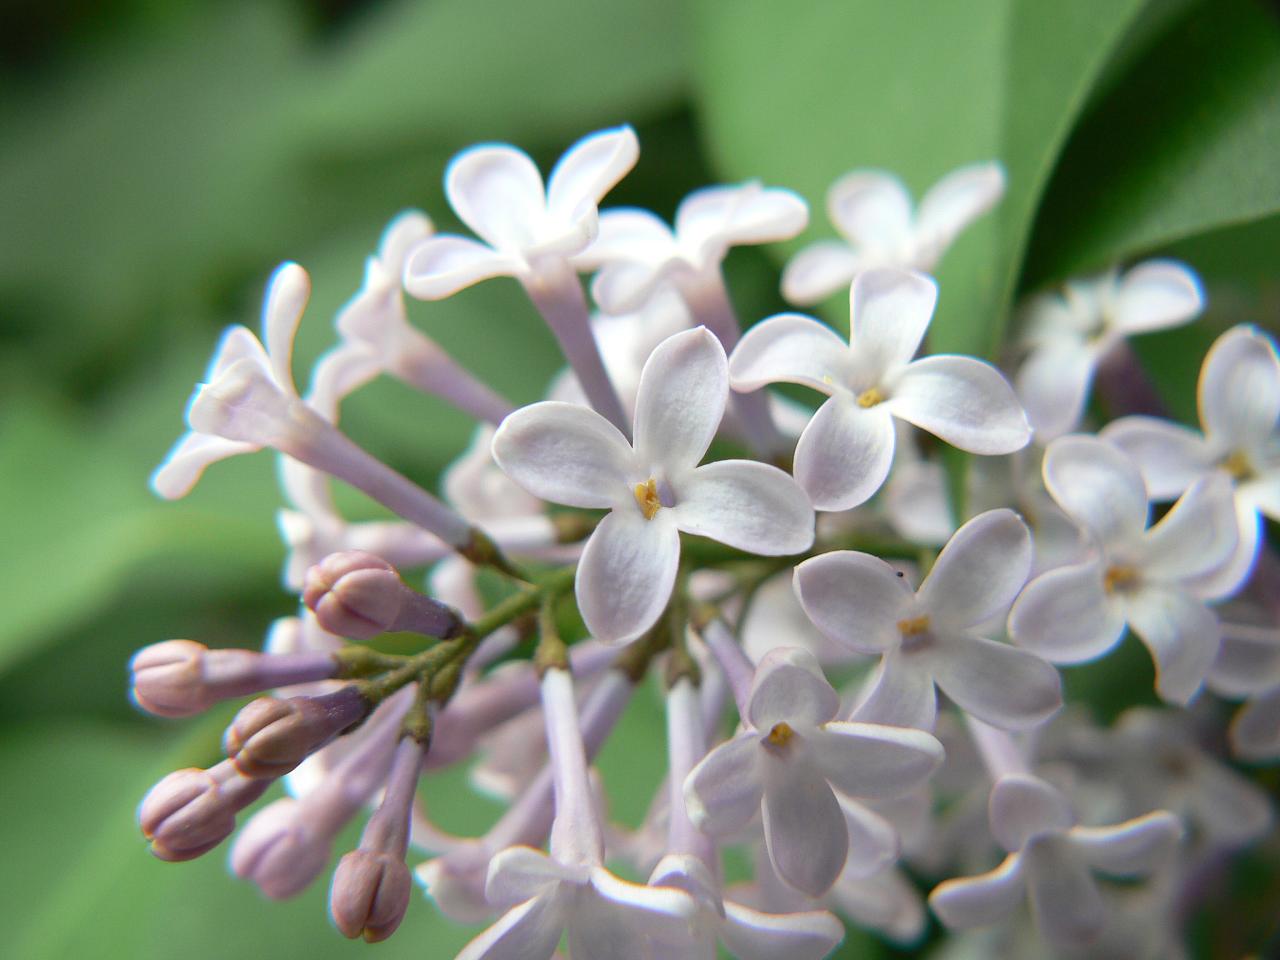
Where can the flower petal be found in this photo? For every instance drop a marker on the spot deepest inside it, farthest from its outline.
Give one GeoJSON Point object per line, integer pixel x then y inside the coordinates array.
{"type": "Point", "coordinates": [712, 219]}
{"type": "Point", "coordinates": [874, 761]}
{"type": "Point", "coordinates": [626, 573]}
{"type": "Point", "coordinates": [789, 348]}
{"type": "Point", "coordinates": [1239, 389]}
{"type": "Point", "coordinates": [1007, 687]}
{"type": "Point", "coordinates": [1170, 456]}
{"type": "Point", "coordinates": [871, 208]}
{"type": "Point", "coordinates": [663, 913]}
{"type": "Point", "coordinates": [818, 271]}
{"type": "Point", "coordinates": [1053, 383]}
{"type": "Point", "coordinates": [1249, 661]}
{"type": "Point", "coordinates": [746, 504]}
{"type": "Point", "coordinates": [889, 311]}
{"type": "Point", "coordinates": [1065, 900]}
{"type": "Point", "coordinates": [1255, 731]}
{"type": "Point", "coordinates": [887, 903]}
{"type": "Point", "coordinates": [1130, 849]}
{"type": "Point", "coordinates": [789, 687]}
{"type": "Point", "coordinates": [441, 266]}
{"type": "Point", "coordinates": [844, 454]}
{"type": "Point", "coordinates": [978, 901]}
{"type": "Point", "coordinates": [952, 204]}
{"type": "Point", "coordinates": [1064, 615]}
{"type": "Point", "coordinates": [900, 693]}
{"type": "Point", "coordinates": [683, 391]}
{"type": "Point", "coordinates": [496, 190]}
{"type": "Point", "coordinates": [853, 598]}
{"type": "Point", "coordinates": [1182, 634]}
{"type": "Point", "coordinates": [566, 454]}
{"type": "Point", "coordinates": [873, 841]}
{"type": "Point", "coordinates": [804, 829]}
{"type": "Point", "coordinates": [1022, 806]}
{"type": "Point", "coordinates": [722, 793]}
{"type": "Point", "coordinates": [980, 571]}
{"type": "Point", "coordinates": [627, 234]}
{"type": "Point", "coordinates": [590, 169]}
{"type": "Point", "coordinates": [182, 468]}
{"type": "Point", "coordinates": [530, 931]}
{"type": "Point", "coordinates": [1156, 295]}
{"type": "Point", "coordinates": [339, 373]}
{"type": "Point", "coordinates": [964, 401]}
{"type": "Point", "coordinates": [1198, 535]}
{"type": "Point", "coordinates": [752, 935]}
{"type": "Point", "coordinates": [517, 874]}
{"type": "Point", "coordinates": [1226, 579]}
{"type": "Point", "coordinates": [1098, 486]}
{"type": "Point", "coordinates": [287, 296]}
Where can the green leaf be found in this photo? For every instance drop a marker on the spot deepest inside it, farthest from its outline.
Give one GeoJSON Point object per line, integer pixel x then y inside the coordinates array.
{"type": "Point", "coordinates": [1185, 144]}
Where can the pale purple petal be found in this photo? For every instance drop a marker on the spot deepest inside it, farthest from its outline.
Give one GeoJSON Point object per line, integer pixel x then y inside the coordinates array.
{"type": "Point", "coordinates": [1226, 579]}
{"type": "Point", "coordinates": [1130, 849]}
{"type": "Point", "coordinates": [1239, 389]}
{"type": "Point", "coordinates": [980, 571]}
{"type": "Point", "coordinates": [1065, 900]}
{"type": "Point", "coordinates": [566, 454]}
{"type": "Point", "coordinates": [663, 913]}
{"type": "Point", "coordinates": [888, 903]}
{"type": "Point", "coordinates": [711, 220]}
{"type": "Point", "coordinates": [1199, 534]}
{"type": "Point", "coordinates": [752, 935]}
{"type": "Point", "coordinates": [1182, 634]}
{"type": "Point", "coordinates": [889, 313]}
{"type": "Point", "coordinates": [1098, 486]}
{"type": "Point", "coordinates": [871, 208]}
{"type": "Point", "coordinates": [818, 271]}
{"type": "Point", "coordinates": [804, 829]}
{"type": "Point", "coordinates": [845, 453]}
{"type": "Point", "coordinates": [1255, 731]}
{"type": "Point", "coordinates": [530, 931]}
{"type": "Point", "coordinates": [590, 169]}
{"type": "Point", "coordinates": [496, 190]}
{"type": "Point", "coordinates": [339, 373]}
{"type": "Point", "coordinates": [1156, 295]}
{"type": "Point", "coordinates": [789, 348]}
{"type": "Point", "coordinates": [627, 234]}
{"type": "Point", "coordinates": [854, 598]}
{"type": "Point", "coordinates": [722, 793]}
{"type": "Point", "coordinates": [287, 297]}
{"type": "Point", "coordinates": [964, 401]}
{"type": "Point", "coordinates": [1022, 806]}
{"type": "Point", "coordinates": [1170, 456]}
{"type": "Point", "coordinates": [441, 266]}
{"type": "Point", "coordinates": [626, 573]}
{"type": "Point", "coordinates": [1052, 385]}
{"type": "Point", "coordinates": [1249, 661]}
{"type": "Point", "coordinates": [518, 874]}
{"type": "Point", "coordinates": [1066, 616]}
{"type": "Point", "coordinates": [789, 687]}
{"type": "Point", "coordinates": [683, 390]}
{"type": "Point", "coordinates": [874, 761]}
{"type": "Point", "coordinates": [873, 841]}
{"type": "Point", "coordinates": [1007, 687]}
{"type": "Point", "coordinates": [900, 693]}
{"type": "Point", "coordinates": [623, 287]}
{"type": "Point", "coordinates": [952, 204]}
{"type": "Point", "coordinates": [746, 504]}
{"type": "Point", "coordinates": [1263, 493]}
{"type": "Point", "coordinates": [978, 901]}
{"type": "Point", "coordinates": [182, 468]}
{"type": "Point", "coordinates": [402, 234]}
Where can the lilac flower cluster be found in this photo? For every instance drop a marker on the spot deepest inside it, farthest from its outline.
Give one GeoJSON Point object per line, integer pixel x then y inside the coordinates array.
{"type": "Point", "coordinates": [741, 545]}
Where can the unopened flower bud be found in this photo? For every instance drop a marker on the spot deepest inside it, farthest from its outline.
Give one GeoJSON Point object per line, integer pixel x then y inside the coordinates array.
{"type": "Point", "coordinates": [279, 851]}
{"type": "Point", "coordinates": [270, 737]}
{"type": "Point", "coordinates": [179, 678]}
{"type": "Point", "coordinates": [191, 811]}
{"type": "Point", "coordinates": [359, 595]}
{"type": "Point", "coordinates": [370, 894]}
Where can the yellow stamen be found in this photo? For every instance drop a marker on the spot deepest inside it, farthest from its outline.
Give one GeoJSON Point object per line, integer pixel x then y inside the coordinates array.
{"type": "Point", "coordinates": [780, 735]}
{"type": "Point", "coordinates": [1238, 465]}
{"type": "Point", "coordinates": [1119, 578]}
{"type": "Point", "coordinates": [647, 498]}
{"type": "Point", "coordinates": [914, 626]}
{"type": "Point", "coordinates": [869, 398]}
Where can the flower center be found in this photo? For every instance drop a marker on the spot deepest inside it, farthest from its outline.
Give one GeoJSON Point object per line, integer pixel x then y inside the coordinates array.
{"type": "Point", "coordinates": [870, 397]}
{"type": "Point", "coordinates": [1119, 578]}
{"type": "Point", "coordinates": [1238, 465]}
{"type": "Point", "coordinates": [647, 498]}
{"type": "Point", "coordinates": [913, 627]}
{"type": "Point", "coordinates": [780, 735]}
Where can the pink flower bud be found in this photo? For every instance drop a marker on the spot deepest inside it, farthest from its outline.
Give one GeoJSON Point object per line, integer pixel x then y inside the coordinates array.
{"type": "Point", "coordinates": [370, 894]}
{"type": "Point", "coordinates": [191, 811]}
{"type": "Point", "coordinates": [358, 595]}
{"type": "Point", "coordinates": [279, 851]}
{"type": "Point", "coordinates": [270, 737]}
{"type": "Point", "coordinates": [179, 678]}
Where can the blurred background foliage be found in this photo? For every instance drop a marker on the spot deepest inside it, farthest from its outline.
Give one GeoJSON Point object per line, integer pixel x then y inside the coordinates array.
{"type": "Point", "coordinates": [160, 157]}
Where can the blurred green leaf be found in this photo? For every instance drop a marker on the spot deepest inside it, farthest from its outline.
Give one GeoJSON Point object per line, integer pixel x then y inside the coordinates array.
{"type": "Point", "coordinates": [1185, 144]}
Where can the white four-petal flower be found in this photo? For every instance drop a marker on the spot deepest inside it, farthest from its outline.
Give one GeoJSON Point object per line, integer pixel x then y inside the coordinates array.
{"type": "Point", "coordinates": [567, 454]}
{"type": "Point", "coordinates": [844, 454]}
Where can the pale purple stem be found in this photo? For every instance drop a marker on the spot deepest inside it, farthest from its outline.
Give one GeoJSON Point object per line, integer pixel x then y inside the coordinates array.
{"type": "Point", "coordinates": [733, 660]}
{"type": "Point", "coordinates": [576, 836]}
{"type": "Point", "coordinates": [686, 745]}
{"type": "Point", "coordinates": [556, 292]}
{"type": "Point", "coordinates": [999, 751]}
{"type": "Point", "coordinates": [424, 364]}
{"type": "Point", "coordinates": [388, 829]}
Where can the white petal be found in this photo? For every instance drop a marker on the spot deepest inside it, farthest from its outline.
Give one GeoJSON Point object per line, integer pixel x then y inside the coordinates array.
{"type": "Point", "coordinates": [789, 687]}
{"type": "Point", "coordinates": [1170, 456]}
{"type": "Point", "coordinates": [683, 390]}
{"type": "Point", "coordinates": [1156, 295]}
{"type": "Point", "coordinates": [663, 913]}
{"type": "Point", "coordinates": [752, 935]}
{"type": "Point", "coordinates": [1239, 390]}
{"type": "Point", "coordinates": [964, 401]}
{"type": "Point", "coordinates": [872, 209]}
{"type": "Point", "coordinates": [804, 829]}
{"type": "Point", "coordinates": [401, 235]}
{"type": "Point", "coordinates": [496, 190]}
{"type": "Point", "coordinates": [818, 271]}
{"type": "Point", "coordinates": [854, 598]}
{"type": "Point", "coordinates": [889, 312]}
{"type": "Point", "coordinates": [980, 571]}
{"type": "Point", "coordinates": [900, 693]}
{"type": "Point", "coordinates": [789, 348]}
{"type": "Point", "coordinates": [627, 234]}
{"type": "Point", "coordinates": [1053, 383]}
{"type": "Point", "coordinates": [1226, 579]}
{"type": "Point", "coordinates": [174, 478]}
{"type": "Point", "coordinates": [1007, 687]}
{"type": "Point", "coordinates": [844, 454]}
{"type": "Point", "coordinates": [1064, 615]}
{"type": "Point", "coordinates": [1130, 849]}
{"type": "Point", "coordinates": [1022, 806]}
{"type": "Point", "coordinates": [1255, 731]}
{"type": "Point", "coordinates": [339, 373]}
{"type": "Point", "coordinates": [711, 220]}
{"type": "Point", "coordinates": [441, 266]}
{"type": "Point", "coordinates": [1098, 486]}
{"type": "Point", "coordinates": [566, 454]}
{"type": "Point", "coordinates": [978, 901]}
{"type": "Point", "coordinates": [590, 169]}
{"type": "Point", "coordinates": [1182, 635]}
{"type": "Point", "coordinates": [518, 874]}
{"type": "Point", "coordinates": [1199, 534]}
{"type": "Point", "coordinates": [1249, 661]}
{"type": "Point", "coordinates": [626, 573]}
{"type": "Point", "coordinates": [888, 903]}
{"type": "Point", "coordinates": [287, 297]}
{"type": "Point", "coordinates": [749, 505]}
{"type": "Point", "coordinates": [874, 761]}
{"type": "Point", "coordinates": [624, 287]}
{"type": "Point", "coordinates": [722, 793]}
{"type": "Point", "coordinates": [530, 931]}
{"type": "Point", "coordinates": [952, 204]}
{"type": "Point", "coordinates": [1065, 900]}
{"type": "Point", "coordinates": [873, 841]}
{"type": "Point", "coordinates": [1263, 492]}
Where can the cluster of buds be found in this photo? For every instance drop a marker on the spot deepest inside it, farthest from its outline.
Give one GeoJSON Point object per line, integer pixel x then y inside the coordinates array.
{"type": "Point", "coordinates": [820, 542]}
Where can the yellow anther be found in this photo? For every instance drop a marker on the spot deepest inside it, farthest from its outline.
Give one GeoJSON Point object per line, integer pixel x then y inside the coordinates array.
{"type": "Point", "coordinates": [828, 380]}
{"type": "Point", "coordinates": [1119, 578]}
{"type": "Point", "coordinates": [869, 398]}
{"type": "Point", "coordinates": [647, 498]}
{"type": "Point", "coordinates": [780, 735]}
{"type": "Point", "coordinates": [1238, 466]}
{"type": "Point", "coordinates": [914, 626]}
